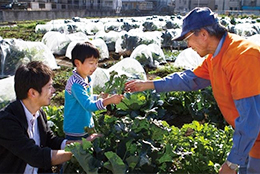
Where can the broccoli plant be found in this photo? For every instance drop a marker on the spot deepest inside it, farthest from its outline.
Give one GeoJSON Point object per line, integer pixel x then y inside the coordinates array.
{"type": "Point", "coordinates": [116, 83]}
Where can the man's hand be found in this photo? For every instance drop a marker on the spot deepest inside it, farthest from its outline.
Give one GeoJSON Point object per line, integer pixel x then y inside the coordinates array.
{"type": "Point", "coordinates": [138, 85]}
{"type": "Point", "coordinates": [226, 170]}
{"type": "Point", "coordinates": [94, 136]}
{"type": "Point", "coordinates": [91, 137]}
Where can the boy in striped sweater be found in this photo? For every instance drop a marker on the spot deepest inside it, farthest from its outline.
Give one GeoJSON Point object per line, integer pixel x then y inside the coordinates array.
{"type": "Point", "coordinates": [79, 100]}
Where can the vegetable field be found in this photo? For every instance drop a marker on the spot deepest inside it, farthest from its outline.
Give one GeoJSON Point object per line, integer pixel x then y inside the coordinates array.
{"type": "Point", "coordinates": [148, 132]}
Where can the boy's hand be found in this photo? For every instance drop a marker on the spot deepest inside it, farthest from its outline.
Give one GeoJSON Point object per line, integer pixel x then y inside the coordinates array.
{"type": "Point", "coordinates": [103, 95]}
{"type": "Point", "coordinates": [116, 98]}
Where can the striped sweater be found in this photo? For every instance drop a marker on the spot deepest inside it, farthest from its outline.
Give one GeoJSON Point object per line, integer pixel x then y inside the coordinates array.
{"type": "Point", "coordinates": [79, 105]}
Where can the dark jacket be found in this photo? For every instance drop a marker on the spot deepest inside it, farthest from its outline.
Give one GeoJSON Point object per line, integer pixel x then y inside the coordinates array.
{"type": "Point", "coordinates": [17, 149]}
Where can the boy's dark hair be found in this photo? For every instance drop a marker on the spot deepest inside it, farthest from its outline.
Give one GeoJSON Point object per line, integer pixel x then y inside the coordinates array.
{"type": "Point", "coordinates": [33, 75]}
{"type": "Point", "coordinates": [82, 51]}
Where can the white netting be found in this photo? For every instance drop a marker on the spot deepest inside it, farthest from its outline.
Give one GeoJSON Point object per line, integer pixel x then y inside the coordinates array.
{"type": "Point", "coordinates": [135, 37]}
{"type": "Point", "coordinates": [245, 29]}
{"type": "Point", "coordinates": [102, 47]}
{"type": "Point", "coordinates": [7, 93]}
{"type": "Point", "coordinates": [98, 43]}
{"type": "Point", "coordinates": [255, 39]}
{"type": "Point", "coordinates": [188, 59]}
{"type": "Point", "coordinates": [15, 52]}
{"type": "Point", "coordinates": [94, 27]}
{"type": "Point", "coordinates": [78, 36]}
{"type": "Point", "coordinates": [37, 51]}
{"type": "Point", "coordinates": [148, 55]}
{"type": "Point", "coordinates": [99, 78]}
{"type": "Point", "coordinates": [130, 67]}
{"type": "Point", "coordinates": [56, 42]}
{"type": "Point", "coordinates": [112, 26]}
{"type": "Point", "coordinates": [110, 38]}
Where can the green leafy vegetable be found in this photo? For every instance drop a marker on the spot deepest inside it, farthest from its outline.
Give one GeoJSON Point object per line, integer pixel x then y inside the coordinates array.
{"type": "Point", "coordinates": [116, 83]}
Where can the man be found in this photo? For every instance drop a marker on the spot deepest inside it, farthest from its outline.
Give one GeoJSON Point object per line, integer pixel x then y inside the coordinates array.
{"type": "Point", "coordinates": [231, 68]}
{"type": "Point", "coordinates": [27, 144]}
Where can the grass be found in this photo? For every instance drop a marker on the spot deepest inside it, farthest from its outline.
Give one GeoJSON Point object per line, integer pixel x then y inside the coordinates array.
{"type": "Point", "coordinates": [24, 30]}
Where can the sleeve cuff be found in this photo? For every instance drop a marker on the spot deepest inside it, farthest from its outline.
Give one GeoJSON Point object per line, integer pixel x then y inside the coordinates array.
{"type": "Point", "coordinates": [100, 105]}
{"type": "Point", "coordinates": [94, 97]}
{"type": "Point", "coordinates": [63, 144]}
{"type": "Point", "coordinates": [237, 159]}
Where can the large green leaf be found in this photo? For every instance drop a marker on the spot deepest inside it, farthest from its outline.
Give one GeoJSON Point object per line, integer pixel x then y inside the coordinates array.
{"type": "Point", "coordinates": [114, 163]}
{"type": "Point", "coordinates": [168, 155]}
{"type": "Point", "coordinates": [132, 161]}
{"type": "Point", "coordinates": [133, 101]}
{"type": "Point", "coordinates": [85, 159]}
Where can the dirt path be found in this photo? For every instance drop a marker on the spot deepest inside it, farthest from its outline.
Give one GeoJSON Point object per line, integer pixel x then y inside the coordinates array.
{"type": "Point", "coordinates": [63, 61]}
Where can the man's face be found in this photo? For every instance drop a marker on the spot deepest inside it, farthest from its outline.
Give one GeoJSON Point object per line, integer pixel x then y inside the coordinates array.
{"type": "Point", "coordinates": [198, 42]}
{"type": "Point", "coordinates": [48, 90]}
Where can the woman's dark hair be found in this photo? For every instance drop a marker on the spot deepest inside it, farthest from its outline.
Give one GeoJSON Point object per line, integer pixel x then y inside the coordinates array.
{"type": "Point", "coordinates": [83, 51]}
{"type": "Point", "coordinates": [33, 75]}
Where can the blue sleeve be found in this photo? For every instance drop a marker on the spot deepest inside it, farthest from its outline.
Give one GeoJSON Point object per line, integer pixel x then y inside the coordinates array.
{"type": "Point", "coordinates": [181, 81]}
{"type": "Point", "coordinates": [94, 97]}
{"type": "Point", "coordinates": [85, 100]}
{"type": "Point", "coordinates": [247, 127]}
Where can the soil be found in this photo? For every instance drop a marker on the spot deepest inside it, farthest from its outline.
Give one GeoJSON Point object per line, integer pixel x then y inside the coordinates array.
{"type": "Point", "coordinates": [63, 61]}
{"type": "Point", "coordinates": [180, 120]}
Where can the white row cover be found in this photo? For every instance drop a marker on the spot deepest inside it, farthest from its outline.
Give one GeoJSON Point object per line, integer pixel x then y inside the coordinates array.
{"type": "Point", "coordinates": [149, 55]}
{"type": "Point", "coordinates": [139, 26]}
{"type": "Point", "coordinates": [15, 52]}
{"type": "Point", "coordinates": [128, 66]}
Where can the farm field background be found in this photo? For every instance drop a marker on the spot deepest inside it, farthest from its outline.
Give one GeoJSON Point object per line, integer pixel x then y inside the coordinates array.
{"type": "Point", "coordinates": [174, 132]}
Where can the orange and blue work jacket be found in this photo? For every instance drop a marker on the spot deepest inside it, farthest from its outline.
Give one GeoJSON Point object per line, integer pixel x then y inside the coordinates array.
{"type": "Point", "coordinates": [233, 74]}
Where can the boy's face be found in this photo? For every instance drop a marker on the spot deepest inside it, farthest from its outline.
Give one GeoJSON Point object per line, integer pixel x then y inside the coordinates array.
{"type": "Point", "coordinates": [88, 67]}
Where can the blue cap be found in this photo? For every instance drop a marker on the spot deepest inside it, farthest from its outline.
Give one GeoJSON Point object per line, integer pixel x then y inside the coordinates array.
{"type": "Point", "coordinates": [198, 18]}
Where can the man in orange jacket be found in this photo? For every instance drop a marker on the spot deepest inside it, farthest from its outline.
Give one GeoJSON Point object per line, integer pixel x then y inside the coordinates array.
{"type": "Point", "coordinates": [231, 68]}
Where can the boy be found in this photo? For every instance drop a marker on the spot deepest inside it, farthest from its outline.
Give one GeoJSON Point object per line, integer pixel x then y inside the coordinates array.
{"type": "Point", "coordinates": [79, 101]}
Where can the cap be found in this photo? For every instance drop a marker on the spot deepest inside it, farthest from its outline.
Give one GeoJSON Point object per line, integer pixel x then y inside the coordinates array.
{"type": "Point", "coordinates": [197, 18]}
